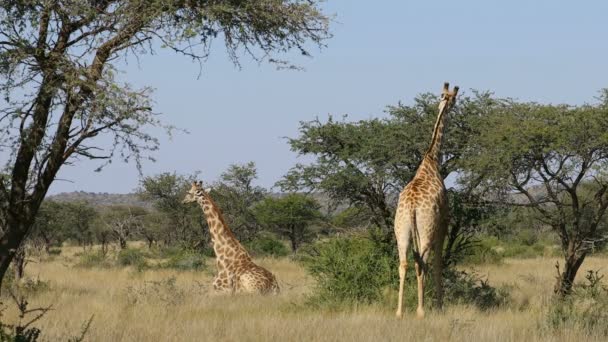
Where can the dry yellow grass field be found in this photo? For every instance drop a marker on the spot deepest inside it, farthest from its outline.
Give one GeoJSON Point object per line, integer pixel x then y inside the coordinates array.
{"type": "Point", "coordinates": [167, 305]}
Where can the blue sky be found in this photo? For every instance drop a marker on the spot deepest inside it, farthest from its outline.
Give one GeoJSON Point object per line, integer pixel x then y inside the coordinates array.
{"type": "Point", "coordinates": [382, 52]}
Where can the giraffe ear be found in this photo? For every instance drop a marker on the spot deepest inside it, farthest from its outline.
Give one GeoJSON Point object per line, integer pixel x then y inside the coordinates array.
{"type": "Point", "coordinates": [207, 190]}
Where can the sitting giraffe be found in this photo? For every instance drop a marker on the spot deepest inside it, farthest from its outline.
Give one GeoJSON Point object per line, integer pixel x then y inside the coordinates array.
{"type": "Point", "coordinates": [236, 272]}
{"type": "Point", "coordinates": [422, 213]}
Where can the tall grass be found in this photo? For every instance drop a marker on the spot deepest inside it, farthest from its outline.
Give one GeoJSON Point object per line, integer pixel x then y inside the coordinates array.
{"type": "Point", "coordinates": [163, 304]}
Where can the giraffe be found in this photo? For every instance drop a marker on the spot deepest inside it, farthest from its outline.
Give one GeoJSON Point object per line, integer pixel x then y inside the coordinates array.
{"type": "Point", "coordinates": [422, 213]}
{"type": "Point", "coordinates": [236, 272]}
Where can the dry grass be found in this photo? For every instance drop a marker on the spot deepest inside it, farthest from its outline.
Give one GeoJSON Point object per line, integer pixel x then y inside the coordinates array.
{"type": "Point", "coordinates": [146, 306]}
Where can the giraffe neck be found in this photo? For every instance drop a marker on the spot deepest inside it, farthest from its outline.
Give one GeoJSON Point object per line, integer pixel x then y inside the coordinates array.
{"type": "Point", "coordinates": [221, 234]}
{"type": "Point", "coordinates": [428, 167]}
{"type": "Point", "coordinates": [434, 150]}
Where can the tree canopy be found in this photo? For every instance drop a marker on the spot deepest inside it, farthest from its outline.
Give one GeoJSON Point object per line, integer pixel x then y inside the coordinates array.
{"type": "Point", "coordinates": [290, 216]}
{"type": "Point", "coordinates": [552, 159]}
{"type": "Point", "coordinates": [57, 75]}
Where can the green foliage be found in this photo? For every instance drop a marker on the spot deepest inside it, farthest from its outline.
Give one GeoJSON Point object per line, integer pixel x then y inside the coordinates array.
{"type": "Point", "coordinates": [482, 254]}
{"type": "Point", "coordinates": [349, 271]}
{"type": "Point", "coordinates": [550, 159]}
{"type": "Point", "coordinates": [22, 331]}
{"type": "Point", "coordinates": [586, 308]}
{"type": "Point", "coordinates": [237, 195]}
{"type": "Point", "coordinates": [174, 222]}
{"type": "Point", "coordinates": [131, 257]}
{"type": "Point", "coordinates": [58, 222]}
{"type": "Point", "coordinates": [290, 216]}
{"type": "Point", "coordinates": [469, 288]}
{"type": "Point", "coordinates": [364, 270]}
{"type": "Point", "coordinates": [351, 217]}
{"type": "Point", "coordinates": [76, 104]}
{"type": "Point", "coordinates": [267, 245]}
{"type": "Point", "coordinates": [367, 163]}
{"type": "Point", "coordinates": [10, 333]}
{"type": "Point", "coordinates": [55, 251]}
{"type": "Point", "coordinates": [91, 259]}
{"type": "Point", "coordinates": [185, 260]}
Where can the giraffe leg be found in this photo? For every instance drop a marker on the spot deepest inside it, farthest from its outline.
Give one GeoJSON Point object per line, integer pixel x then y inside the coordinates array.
{"type": "Point", "coordinates": [403, 229]}
{"type": "Point", "coordinates": [220, 282]}
{"type": "Point", "coordinates": [438, 269]}
{"type": "Point", "coordinates": [421, 268]}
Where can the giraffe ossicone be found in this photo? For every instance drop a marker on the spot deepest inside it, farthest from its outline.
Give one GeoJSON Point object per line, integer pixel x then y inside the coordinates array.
{"type": "Point", "coordinates": [236, 272]}
{"type": "Point", "coordinates": [422, 213]}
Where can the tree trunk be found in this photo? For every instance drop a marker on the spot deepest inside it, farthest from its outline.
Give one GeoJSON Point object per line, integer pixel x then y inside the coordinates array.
{"type": "Point", "coordinates": [19, 263]}
{"type": "Point", "coordinates": [104, 247]}
{"type": "Point", "coordinates": [9, 245]}
{"type": "Point", "coordinates": [293, 237]}
{"type": "Point", "coordinates": [122, 242]}
{"type": "Point", "coordinates": [565, 279]}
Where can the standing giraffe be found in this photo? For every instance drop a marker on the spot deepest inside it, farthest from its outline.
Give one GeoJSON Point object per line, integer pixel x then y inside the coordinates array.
{"type": "Point", "coordinates": [236, 272]}
{"type": "Point", "coordinates": [422, 214]}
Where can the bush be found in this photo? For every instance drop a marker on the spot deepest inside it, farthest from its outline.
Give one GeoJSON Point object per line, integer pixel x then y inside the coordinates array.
{"type": "Point", "coordinates": [358, 270]}
{"type": "Point", "coordinates": [469, 288]}
{"type": "Point", "coordinates": [586, 308]}
{"type": "Point", "coordinates": [483, 253]}
{"type": "Point", "coordinates": [349, 270]}
{"type": "Point", "coordinates": [165, 291]}
{"type": "Point", "coordinates": [185, 259]}
{"type": "Point", "coordinates": [23, 331]}
{"type": "Point", "coordinates": [55, 251]}
{"type": "Point", "coordinates": [131, 257]}
{"type": "Point", "coordinates": [267, 245]}
{"type": "Point", "coordinates": [93, 259]}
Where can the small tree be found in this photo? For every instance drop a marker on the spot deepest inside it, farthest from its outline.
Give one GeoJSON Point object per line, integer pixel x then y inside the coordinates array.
{"type": "Point", "coordinates": [236, 194]}
{"type": "Point", "coordinates": [79, 217]}
{"type": "Point", "coordinates": [52, 225]}
{"type": "Point", "coordinates": [552, 160]}
{"type": "Point", "coordinates": [154, 225]}
{"type": "Point", "coordinates": [290, 216]}
{"type": "Point", "coordinates": [183, 224]}
{"type": "Point", "coordinates": [123, 222]}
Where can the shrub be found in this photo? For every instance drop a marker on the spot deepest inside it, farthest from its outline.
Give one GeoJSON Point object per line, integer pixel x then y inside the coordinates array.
{"type": "Point", "coordinates": [358, 270]}
{"type": "Point", "coordinates": [33, 286]}
{"type": "Point", "coordinates": [23, 331]}
{"type": "Point", "coordinates": [267, 245]}
{"type": "Point", "coordinates": [131, 257]}
{"type": "Point", "coordinates": [463, 287]}
{"type": "Point", "coordinates": [93, 259]}
{"type": "Point", "coordinates": [166, 291]}
{"type": "Point", "coordinates": [185, 259]}
{"type": "Point", "coordinates": [527, 237]}
{"type": "Point", "coordinates": [349, 270]}
{"type": "Point", "coordinates": [55, 251]}
{"type": "Point", "coordinates": [482, 253]}
{"type": "Point", "coordinates": [586, 308]}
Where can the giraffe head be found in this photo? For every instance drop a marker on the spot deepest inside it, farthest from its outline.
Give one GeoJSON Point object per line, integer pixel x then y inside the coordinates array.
{"type": "Point", "coordinates": [449, 96]}
{"type": "Point", "coordinates": [196, 191]}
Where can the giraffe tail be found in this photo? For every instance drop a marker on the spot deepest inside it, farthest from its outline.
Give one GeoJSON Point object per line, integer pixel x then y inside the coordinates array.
{"type": "Point", "coordinates": [415, 236]}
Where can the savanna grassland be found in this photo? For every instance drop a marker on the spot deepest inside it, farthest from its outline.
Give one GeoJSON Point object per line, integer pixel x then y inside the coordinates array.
{"type": "Point", "coordinates": [159, 304]}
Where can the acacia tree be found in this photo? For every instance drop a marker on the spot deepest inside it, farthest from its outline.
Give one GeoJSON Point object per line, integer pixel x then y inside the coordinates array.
{"type": "Point", "coordinates": [290, 216]}
{"type": "Point", "coordinates": [183, 223]}
{"type": "Point", "coordinates": [552, 160]}
{"type": "Point", "coordinates": [236, 194]}
{"type": "Point", "coordinates": [57, 66]}
{"type": "Point", "coordinates": [123, 222]}
{"type": "Point", "coordinates": [365, 164]}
